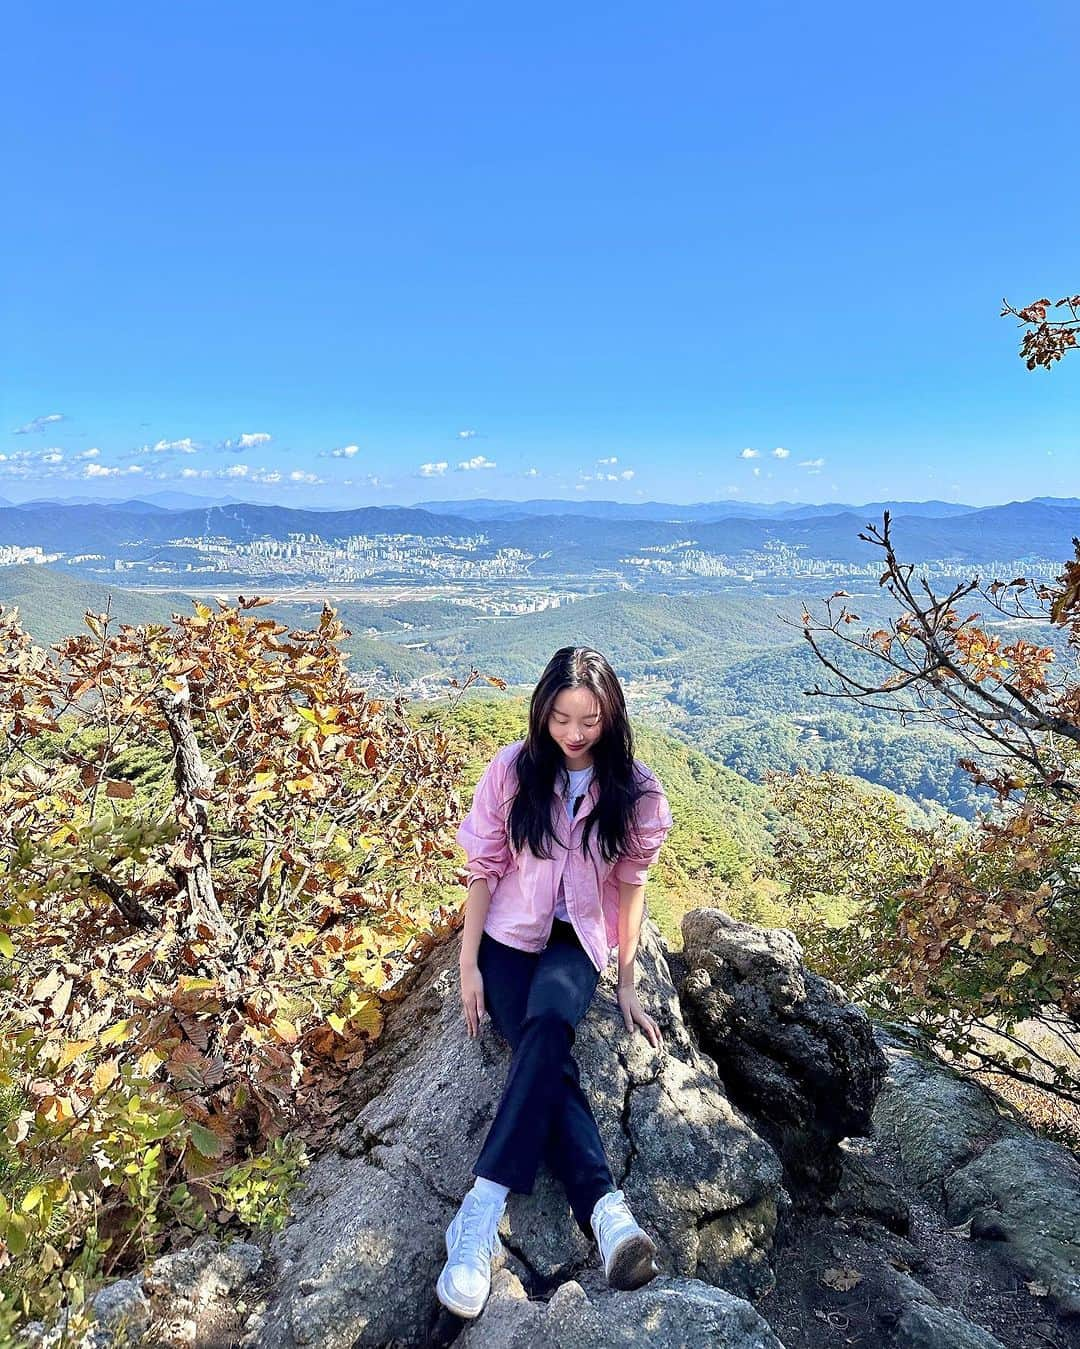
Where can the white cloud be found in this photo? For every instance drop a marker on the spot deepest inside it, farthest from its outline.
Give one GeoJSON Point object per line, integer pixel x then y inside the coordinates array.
{"type": "Point", "coordinates": [812, 463]}
{"type": "Point", "coordinates": [53, 456]}
{"type": "Point", "coordinates": [477, 461]}
{"type": "Point", "coordinates": [466, 435]}
{"type": "Point", "coordinates": [39, 424]}
{"type": "Point", "coordinates": [344, 452]}
{"type": "Point", "coordinates": [612, 460]}
{"type": "Point", "coordinates": [748, 453]}
{"type": "Point", "coordinates": [756, 471]}
{"type": "Point", "coordinates": [780, 452]}
{"type": "Point", "coordinates": [298, 475]}
{"type": "Point", "coordinates": [184, 446]}
{"type": "Point", "coordinates": [234, 473]}
{"type": "Point", "coordinates": [624, 476]}
{"type": "Point", "coordinates": [434, 470]}
{"type": "Point", "coordinates": [247, 440]}
{"type": "Point", "coordinates": [108, 470]}
{"type": "Point", "coordinates": [532, 473]}
{"type": "Point", "coordinates": [91, 453]}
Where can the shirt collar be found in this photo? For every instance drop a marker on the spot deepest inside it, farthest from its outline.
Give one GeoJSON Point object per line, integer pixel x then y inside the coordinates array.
{"type": "Point", "coordinates": [561, 781]}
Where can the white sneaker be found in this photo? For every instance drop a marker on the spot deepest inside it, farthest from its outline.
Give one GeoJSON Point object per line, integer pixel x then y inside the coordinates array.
{"type": "Point", "coordinates": [472, 1242]}
{"type": "Point", "coordinates": [625, 1248]}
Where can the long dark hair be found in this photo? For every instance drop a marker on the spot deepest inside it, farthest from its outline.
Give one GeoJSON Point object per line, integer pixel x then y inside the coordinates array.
{"type": "Point", "coordinates": [540, 759]}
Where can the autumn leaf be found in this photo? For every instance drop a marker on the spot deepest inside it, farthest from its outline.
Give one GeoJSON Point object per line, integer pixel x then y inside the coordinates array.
{"type": "Point", "coordinates": [841, 1279]}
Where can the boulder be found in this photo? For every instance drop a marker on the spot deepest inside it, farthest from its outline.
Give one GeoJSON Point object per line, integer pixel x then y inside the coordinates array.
{"type": "Point", "coordinates": [358, 1262]}
{"type": "Point", "coordinates": [862, 1192]}
{"type": "Point", "coordinates": [987, 1168]}
{"type": "Point", "coordinates": [792, 1052]}
{"type": "Point", "coordinates": [667, 1314]}
{"type": "Point", "coordinates": [923, 1322]}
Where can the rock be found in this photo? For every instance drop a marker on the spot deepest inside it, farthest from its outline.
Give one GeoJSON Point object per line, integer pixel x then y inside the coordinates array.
{"type": "Point", "coordinates": [922, 1322]}
{"type": "Point", "coordinates": [1027, 1192]}
{"type": "Point", "coordinates": [669, 1313]}
{"type": "Point", "coordinates": [863, 1193]}
{"type": "Point", "coordinates": [121, 1308]}
{"type": "Point", "coordinates": [791, 1050]}
{"type": "Point", "coordinates": [357, 1264]}
{"type": "Point", "coordinates": [202, 1272]}
{"type": "Point", "coordinates": [121, 1316]}
{"type": "Point", "coordinates": [1017, 1189]}
{"type": "Point", "coordinates": [925, 1327]}
{"type": "Point", "coordinates": [937, 1119]}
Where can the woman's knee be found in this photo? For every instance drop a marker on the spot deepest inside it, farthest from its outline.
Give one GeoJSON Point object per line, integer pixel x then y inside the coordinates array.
{"type": "Point", "coordinates": [549, 1024]}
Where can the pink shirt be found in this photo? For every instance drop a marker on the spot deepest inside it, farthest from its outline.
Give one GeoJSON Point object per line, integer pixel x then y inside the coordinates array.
{"type": "Point", "coordinates": [523, 887]}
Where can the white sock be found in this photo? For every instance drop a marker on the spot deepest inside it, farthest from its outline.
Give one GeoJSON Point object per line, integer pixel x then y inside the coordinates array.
{"type": "Point", "coordinates": [490, 1191]}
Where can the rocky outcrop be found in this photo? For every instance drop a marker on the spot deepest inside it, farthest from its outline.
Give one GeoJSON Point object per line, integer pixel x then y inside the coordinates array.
{"type": "Point", "coordinates": [358, 1263]}
{"type": "Point", "coordinates": [963, 1147]}
{"type": "Point", "coordinates": [920, 1198]}
{"type": "Point", "coordinates": [790, 1049]}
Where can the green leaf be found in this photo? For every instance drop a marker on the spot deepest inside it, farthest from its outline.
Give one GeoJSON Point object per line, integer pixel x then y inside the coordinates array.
{"type": "Point", "coordinates": [205, 1140]}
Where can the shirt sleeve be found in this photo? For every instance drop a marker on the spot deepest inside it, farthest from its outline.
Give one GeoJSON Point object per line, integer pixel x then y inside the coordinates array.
{"type": "Point", "coordinates": [652, 821]}
{"type": "Point", "coordinates": [482, 833]}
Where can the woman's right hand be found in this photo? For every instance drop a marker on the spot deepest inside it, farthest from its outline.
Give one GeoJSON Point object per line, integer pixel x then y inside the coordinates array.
{"type": "Point", "coordinates": [472, 997]}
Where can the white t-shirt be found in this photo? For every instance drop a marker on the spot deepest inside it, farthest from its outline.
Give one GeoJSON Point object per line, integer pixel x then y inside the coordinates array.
{"type": "Point", "coordinates": [579, 785]}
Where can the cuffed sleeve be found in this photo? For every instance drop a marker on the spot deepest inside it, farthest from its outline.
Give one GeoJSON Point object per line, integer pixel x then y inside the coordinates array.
{"type": "Point", "coordinates": [482, 833]}
{"type": "Point", "coordinates": [652, 821]}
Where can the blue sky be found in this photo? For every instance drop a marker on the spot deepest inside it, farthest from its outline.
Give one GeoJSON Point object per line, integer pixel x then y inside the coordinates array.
{"type": "Point", "coordinates": [361, 253]}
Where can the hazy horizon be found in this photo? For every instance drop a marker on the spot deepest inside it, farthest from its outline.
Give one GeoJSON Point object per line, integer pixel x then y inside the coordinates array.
{"type": "Point", "coordinates": [197, 499]}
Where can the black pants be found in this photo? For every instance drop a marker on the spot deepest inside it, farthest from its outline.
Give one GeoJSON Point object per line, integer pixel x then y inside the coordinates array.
{"type": "Point", "coordinates": [535, 1000]}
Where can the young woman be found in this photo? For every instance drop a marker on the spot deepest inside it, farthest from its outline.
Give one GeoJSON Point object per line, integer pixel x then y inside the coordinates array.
{"type": "Point", "coordinates": [563, 828]}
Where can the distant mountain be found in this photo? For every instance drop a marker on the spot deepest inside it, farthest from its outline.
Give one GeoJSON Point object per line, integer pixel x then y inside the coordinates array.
{"type": "Point", "coordinates": [489, 508]}
{"type": "Point", "coordinates": [562, 544]}
{"type": "Point", "coordinates": [182, 501]}
{"type": "Point", "coordinates": [152, 501]}
{"type": "Point", "coordinates": [84, 528]}
{"type": "Point", "coordinates": [926, 510]}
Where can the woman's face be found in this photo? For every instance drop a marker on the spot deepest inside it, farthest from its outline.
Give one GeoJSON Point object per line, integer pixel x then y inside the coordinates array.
{"type": "Point", "coordinates": [575, 725]}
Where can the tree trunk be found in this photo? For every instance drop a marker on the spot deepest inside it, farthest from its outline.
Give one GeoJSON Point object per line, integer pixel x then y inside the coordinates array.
{"type": "Point", "coordinates": [192, 779]}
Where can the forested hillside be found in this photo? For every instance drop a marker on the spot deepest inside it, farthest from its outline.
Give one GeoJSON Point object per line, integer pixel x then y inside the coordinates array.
{"type": "Point", "coordinates": [725, 672]}
{"type": "Point", "coordinates": [52, 603]}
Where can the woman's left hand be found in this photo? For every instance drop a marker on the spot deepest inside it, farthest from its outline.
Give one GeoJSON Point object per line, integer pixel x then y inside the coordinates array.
{"type": "Point", "coordinates": [634, 1014]}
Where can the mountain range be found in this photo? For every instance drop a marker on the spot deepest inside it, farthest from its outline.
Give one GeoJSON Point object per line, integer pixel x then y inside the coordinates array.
{"type": "Point", "coordinates": [1042, 528]}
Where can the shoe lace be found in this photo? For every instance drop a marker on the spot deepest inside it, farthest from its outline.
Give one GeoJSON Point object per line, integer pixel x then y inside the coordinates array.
{"type": "Point", "coordinates": [612, 1212]}
{"type": "Point", "coordinates": [476, 1240]}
